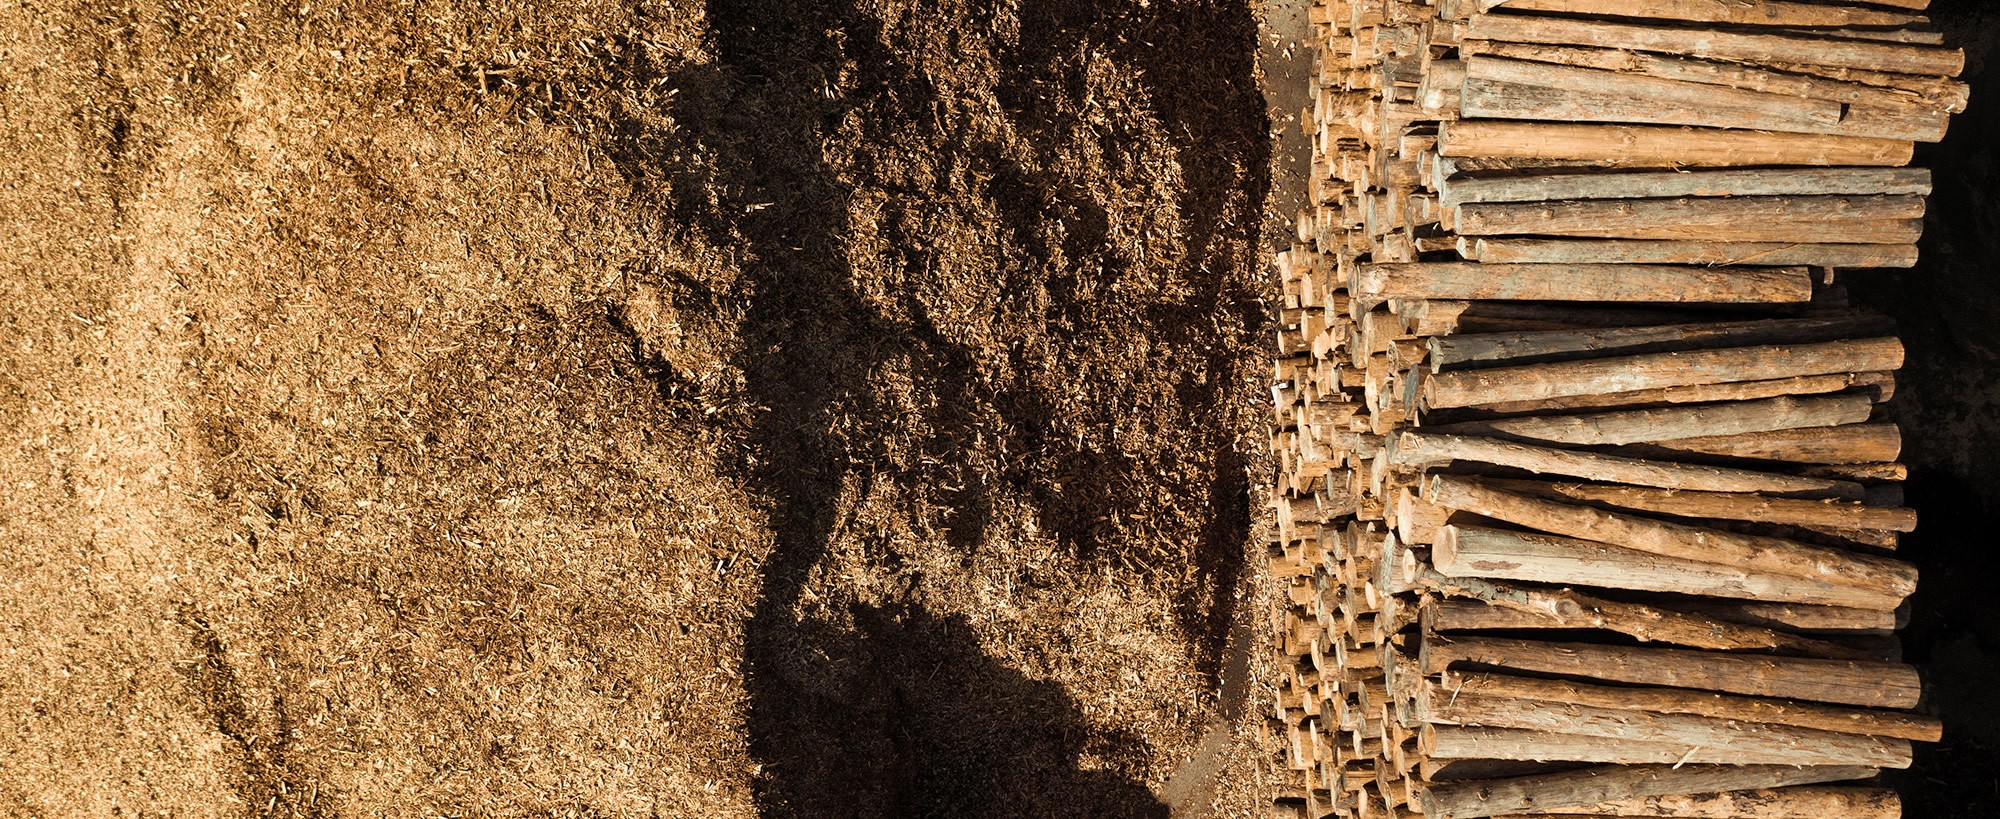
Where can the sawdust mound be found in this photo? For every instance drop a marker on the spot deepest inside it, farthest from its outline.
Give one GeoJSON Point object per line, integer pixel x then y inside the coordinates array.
{"type": "Point", "coordinates": [581, 409]}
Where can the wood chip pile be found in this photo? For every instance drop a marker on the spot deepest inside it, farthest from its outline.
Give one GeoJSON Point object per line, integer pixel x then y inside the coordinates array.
{"type": "Point", "coordinates": [1586, 502]}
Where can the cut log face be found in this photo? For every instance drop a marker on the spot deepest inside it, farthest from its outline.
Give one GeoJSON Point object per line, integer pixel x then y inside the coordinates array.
{"type": "Point", "coordinates": [1585, 492]}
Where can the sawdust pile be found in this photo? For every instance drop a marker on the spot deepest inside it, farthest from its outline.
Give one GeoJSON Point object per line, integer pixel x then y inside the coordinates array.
{"type": "Point", "coordinates": [586, 409]}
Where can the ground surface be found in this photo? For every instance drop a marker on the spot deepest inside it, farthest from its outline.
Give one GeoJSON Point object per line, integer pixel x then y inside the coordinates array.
{"type": "Point", "coordinates": [580, 409]}
{"type": "Point", "coordinates": [692, 410]}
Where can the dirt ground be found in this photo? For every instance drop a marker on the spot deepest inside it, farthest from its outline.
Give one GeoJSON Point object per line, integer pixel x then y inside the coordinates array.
{"type": "Point", "coordinates": [582, 409]}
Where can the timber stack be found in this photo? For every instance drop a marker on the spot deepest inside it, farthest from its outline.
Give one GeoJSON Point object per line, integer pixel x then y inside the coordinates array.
{"type": "Point", "coordinates": [1586, 499]}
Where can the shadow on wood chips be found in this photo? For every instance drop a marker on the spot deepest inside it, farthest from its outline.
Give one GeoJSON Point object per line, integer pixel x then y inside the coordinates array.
{"type": "Point", "coordinates": [925, 722]}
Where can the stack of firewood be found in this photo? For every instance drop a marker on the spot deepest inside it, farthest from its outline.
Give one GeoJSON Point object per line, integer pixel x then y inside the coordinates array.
{"type": "Point", "coordinates": [1586, 502]}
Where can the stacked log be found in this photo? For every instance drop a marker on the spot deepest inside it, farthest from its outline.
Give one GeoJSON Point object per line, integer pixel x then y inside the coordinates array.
{"type": "Point", "coordinates": [1587, 501]}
